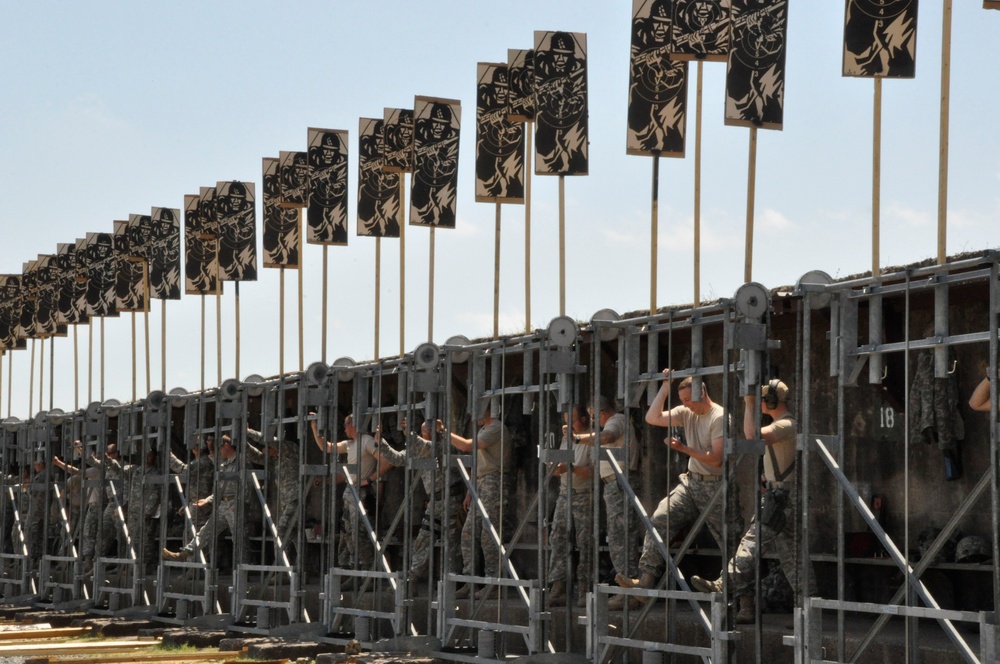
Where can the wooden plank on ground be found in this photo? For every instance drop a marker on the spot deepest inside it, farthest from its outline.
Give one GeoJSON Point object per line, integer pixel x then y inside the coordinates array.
{"type": "Point", "coordinates": [50, 633]}
{"type": "Point", "coordinates": [179, 656]}
{"type": "Point", "coordinates": [77, 647]}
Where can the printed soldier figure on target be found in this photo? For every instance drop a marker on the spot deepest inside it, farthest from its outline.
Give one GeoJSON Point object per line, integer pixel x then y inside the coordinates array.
{"type": "Point", "coordinates": [561, 104]}
{"type": "Point", "coordinates": [46, 301]}
{"type": "Point", "coordinates": [657, 99]}
{"type": "Point", "coordinates": [521, 85]}
{"type": "Point", "coordinates": [281, 224]}
{"type": "Point", "coordinates": [433, 195]}
{"type": "Point", "coordinates": [80, 276]}
{"type": "Point", "coordinates": [327, 178]}
{"type": "Point", "coordinates": [200, 257]}
{"type": "Point", "coordinates": [101, 271]}
{"type": "Point", "coordinates": [294, 172]}
{"type": "Point", "coordinates": [397, 129]}
{"type": "Point", "coordinates": [10, 310]}
{"type": "Point", "coordinates": [378, 190]}
{"type": "Point", "coordinates": [66, 271]}
{"type": "Point", "coordinates": [700, 29]}
{"type": "Point", "coordinates": [164, 255]}
{"type": "Point", "coordinates": [880, 38]}
{"type": "Point", "coordinates": [235, 211]}
{"type": "Point", "coordinates": [755, 78]}
{"type": "Point", "coordinates": [130, 279]}
{"type": "Point", "coordinates": [499, 141]}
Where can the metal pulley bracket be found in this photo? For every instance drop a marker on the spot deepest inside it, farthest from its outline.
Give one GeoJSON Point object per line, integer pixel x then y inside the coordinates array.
{"type": "Point", "coordinates": [562, 361]}
{"type": "Point", "coordinates": [750, 336]}
{"type": "Point", "coordinates": [817, 300]}
{"type": "Point", "coordinates": [752, 300]}
{"type": "Point", "coordinates": [562, 332]}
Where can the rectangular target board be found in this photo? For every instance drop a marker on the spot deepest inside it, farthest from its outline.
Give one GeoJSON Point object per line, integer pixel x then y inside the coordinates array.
{"type": "Point", "coordinates": [29, 301]}
{"type": "Point", "coordinates": [434, 186]}
{"type": "Point", "coordinates": [991, 4]}
{"type": "Point", "coordinates": [657, 92]}
{"type": "Point", "coordinates": [326, 177]}
{"type": "Point", "coordinates": [880, 38]}
{"type": "Point", "coordinates": [378, 190]}
{"type": "Point", "coordinates": [201, 262]}
{"type": "Point", "coordinates": [521, 81]}
{"type": "Point", "coordinates": [46, 296]}
{"type": "Point", "coordinates": [131, 288]}
{"type": "Point", "coordinates": [499, 140]}
{"type": "Point", "coordinates": [561, 123]}
{"type": "Point", "coordinates": [69, 288]}
{"type": "Point", "coordinates": [699, 29]}
{"type": "Point", "coordinates": [101, 274]}
{"type": "Point", "coordinates": [80, 276]}
{"type": "Point", "coordinates": [397, 134]}
{"type": "Point", "coordinates": [755, 77]}
{"type": "Point", "coordinates": [10, 311]}
{"type": "Point", "coordinates": [281, 224]}
{"type": "Point", "coordinates": [236, 213]}
{"type": "Point", "coordinates": [164, 254]}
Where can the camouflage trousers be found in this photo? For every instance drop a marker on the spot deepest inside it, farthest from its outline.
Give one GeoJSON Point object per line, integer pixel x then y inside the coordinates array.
{"type": "Point", "coordinates": [110, 527]}
{"type": "Point", "coordinates": [222, 521]}
{"type": "Point", "coordinates": [91, 517]}
{"type": "Point", "coordinates": [490, 491]}
{"type": "Point", "coordinates": [199, 517]}
{"type": "Point", "coordinates": [36, 538]}
{"type": "Point", "coordinates": [354, 541]}
{"type": "Point", "coordinates": [741, 566]}
{"type": "Point", "coordinates": [582, 527]}
{"type": "Point", "coordinates": [681, 508]}
{"type": "Point", "coordinates": [140, 533]}
{"type": "Point", "coordinates": [621, 541]}
{"type": "Point", "coordinates": [445, 512]}
{"type": "Point", "coordinates": [288, 503]}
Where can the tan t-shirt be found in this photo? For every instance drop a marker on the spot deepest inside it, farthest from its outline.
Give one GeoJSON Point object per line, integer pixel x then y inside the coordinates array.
{"type": "Point", "coordinates": [784, 448]}
{"type": "Point", "coordinates": [495, 449]}
{"type": "Point", "coordinates": [581, 459]}
{"type": "Point", "coordinates": [700, 431]}
{"type": "Point", "coordinates": [618, 425]}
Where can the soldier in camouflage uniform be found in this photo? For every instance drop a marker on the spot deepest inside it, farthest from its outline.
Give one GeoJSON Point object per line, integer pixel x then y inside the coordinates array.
{"type": "Point", "coordinates": [779, 466]}
{"type": "Point", "coordinates": [366, 461]}
{"type": "Point", "coordinates": [615, 430]}
{"type": "Point", "coordinates": [703, 423]}
{"type": "Point", "coordinates": [82, 500]}
{"type": "Point", "coordinates": [494, 457]}
{"type": "Point", "coordinates": [38, 504]}
{"type": "Point", "coordinates": [200, 478]}
{"type": "Point", "coordinates": [440, 512]}
{"type": "Point", "coordinates": [224, 500]}
{"type": "Point", "coordinates": [575, 493]}
{"type": "Point", "coordinates": [141, 505]}
{"type": "Point", "coordinates": [113, 515]}
{"type": "Point", "coordinates": [285, 454]}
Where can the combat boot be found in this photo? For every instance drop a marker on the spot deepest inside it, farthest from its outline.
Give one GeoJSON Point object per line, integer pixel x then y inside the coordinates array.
{"type": "Point", "coordinates": [557, 593]}
{"type": "Point", "coordinates": [617, 603]}
{"type": "Point", "coordinates": [464, 591]}
{"type": "Point", "coordinates": [647, 581]}
{"type": "Point", "coordinates": [706, 586]}
{"type": "Point", "coordinates": [747, 614]}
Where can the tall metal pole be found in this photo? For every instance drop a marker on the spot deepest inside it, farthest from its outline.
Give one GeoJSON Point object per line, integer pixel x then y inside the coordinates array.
{"type": "Point", "coordinates": [697, 193]}
{"type": "Point", "coordinates": [527, 230]}
{"type": "Point", "coordinates": [876, 176]}
{"type": "Point", "coordinates": [751, 186]}
{"type": "Point", "coordinates": [654, 224]}
{"type": "Point", "coordinates": [496, 274]}
{"type": "Point", "coordinates": [942, 234]}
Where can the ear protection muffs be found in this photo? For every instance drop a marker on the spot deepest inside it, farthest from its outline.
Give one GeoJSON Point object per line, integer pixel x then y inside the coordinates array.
{"type": "Point", "coordinates": [771, 399]}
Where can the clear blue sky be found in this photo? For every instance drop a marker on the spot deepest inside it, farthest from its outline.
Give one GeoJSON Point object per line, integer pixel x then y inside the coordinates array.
{"type": "Point", "coordinates": [110, 108]}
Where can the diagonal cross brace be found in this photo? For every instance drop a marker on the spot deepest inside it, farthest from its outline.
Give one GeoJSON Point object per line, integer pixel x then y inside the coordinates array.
{"type": "Point", "coordinates": [894, 553]}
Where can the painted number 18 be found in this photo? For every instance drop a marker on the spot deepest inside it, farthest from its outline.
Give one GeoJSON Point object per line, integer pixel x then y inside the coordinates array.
{"type": "Point", "coordinates": [888, 417]}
